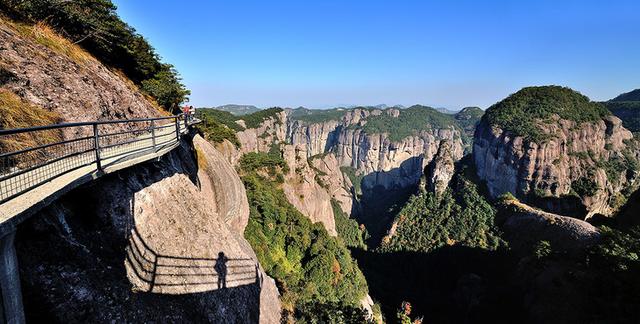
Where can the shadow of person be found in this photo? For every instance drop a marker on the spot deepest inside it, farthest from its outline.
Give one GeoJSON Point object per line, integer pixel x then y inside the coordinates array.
{"type": "Point", "coordinates": [221, 269]}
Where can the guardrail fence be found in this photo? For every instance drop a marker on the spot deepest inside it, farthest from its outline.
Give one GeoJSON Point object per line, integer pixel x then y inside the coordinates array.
{"type": "Point", "coordinates": [31, 156]}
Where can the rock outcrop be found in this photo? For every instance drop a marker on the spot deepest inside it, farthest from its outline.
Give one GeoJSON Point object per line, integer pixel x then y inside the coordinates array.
{"type": "Point", "coordinates": [384, 163]}
{"type": "Point", "coordinates": [525, 226]}
{"type": "Point", "coordinates": [440, 170]}
{"type": "Point", "coordinates": [156, 229]}
{"type": "Point", "coordinates": [551, 169]}
{"type": "Point", "coordinates": [74, 85]}
{"type": "Point", "coordinates": [303, 190]}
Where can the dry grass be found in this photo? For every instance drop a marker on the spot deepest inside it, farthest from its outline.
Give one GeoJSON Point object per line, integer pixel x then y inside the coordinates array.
{"type": "Point", "coordinates": [16, 113]}
{"type": "Point", "coordinates": [44, 35]}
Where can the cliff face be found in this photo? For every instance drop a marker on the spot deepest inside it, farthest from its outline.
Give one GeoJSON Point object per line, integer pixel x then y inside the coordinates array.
{"type": "Point", "coordinates": [140, 234]}
{"type": "Point", "coordinates": [303, 190]}
{"type": "Point", "coordinates": [593, 153]}
{"type": "Point", "coordinates": [385, 163]}
{"type": "Point", "coordinates": [50, 72]}
{"type": "Point", "coordinates": [440, 171]}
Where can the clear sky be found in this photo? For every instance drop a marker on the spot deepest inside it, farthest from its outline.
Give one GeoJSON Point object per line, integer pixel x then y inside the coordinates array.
{"type": "Point", "coordinates": [440, 53]}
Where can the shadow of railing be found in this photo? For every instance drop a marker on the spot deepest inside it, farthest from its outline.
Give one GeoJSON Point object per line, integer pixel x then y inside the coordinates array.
{"type": "Point", "coordinates": [181, 275]}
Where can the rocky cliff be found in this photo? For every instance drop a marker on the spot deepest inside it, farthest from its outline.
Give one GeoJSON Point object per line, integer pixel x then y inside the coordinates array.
{"type": "Point", "coordinates": [385, 162]}
{"type": "Point", "coordinates": [140, 234]}
{"type": "Point", "coordinates": [572, 167]}
{"type": "Point", "coordinates": [48, 71]}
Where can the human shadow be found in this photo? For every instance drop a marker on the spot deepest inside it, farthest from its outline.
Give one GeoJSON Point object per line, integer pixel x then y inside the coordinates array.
{"type": "Point", "coordinates": [90, 233]}
{"type": "Point", "coordinates": [221, 269]}
{"type": "Point", "coordinates": [159, 273]}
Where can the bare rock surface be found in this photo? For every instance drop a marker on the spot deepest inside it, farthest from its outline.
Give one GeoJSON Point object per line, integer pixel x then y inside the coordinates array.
{"type": "Point", "coordinates": [525, 226]}
{"type": "Point", "coordinates": [441, 169]}
{"type": "Point", "coordinates": [79, 89]}
{"type": "Point", "coordinates": [386, 163]}
{"type": "Point", "coordinates": [144, 244]}
{"type": "Point", "coordinates": [304, 192]}
{"type": "Point", "coordinates": [512, 164]}
{"type": "Point", "coordinates": [336, 183]}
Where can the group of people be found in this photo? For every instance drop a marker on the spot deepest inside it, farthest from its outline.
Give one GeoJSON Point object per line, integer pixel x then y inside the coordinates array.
{"type": "Point", "coordinates": [189, 112]}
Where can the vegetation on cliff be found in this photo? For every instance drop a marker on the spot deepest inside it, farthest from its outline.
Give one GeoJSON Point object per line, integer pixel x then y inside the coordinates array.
{"type": "Point", "coordinates": [633, 95]}
{"type": "Point", "coordinates": [313, 116]}
{"type": "Point", "coordinates": [310, 267]}
{"type": "Point", "coordinates": [523, 112]}
{"type": "Point", "coordinates": [95, 25]}
{"type": "Point", "coordinates": [468, 118]}
{"type": "Point", "coordinates": [218, 125]}
{"type": "Point", "coordinates": [460, 216]}
{"type": "Point", "coordinates": [409, 122]}
{"type": "Point", "coordinates": [627, 107]}
{"type": "Point", "coordinates": [352, 234]}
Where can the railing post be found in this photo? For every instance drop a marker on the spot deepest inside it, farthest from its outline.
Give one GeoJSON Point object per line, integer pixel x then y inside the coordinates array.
{"type": "Point", "coordinates": [11, 309]}
{"type": "Point", "coordinates": [153, 134]}
{"type": "Point", "coordinates": [177, 129]}
{"type": "Point", "coordinates": [96, 141]}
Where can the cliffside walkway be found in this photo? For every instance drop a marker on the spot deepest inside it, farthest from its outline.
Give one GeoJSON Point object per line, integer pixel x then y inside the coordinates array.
{"type": "Point", "coordinates": [40, 164]}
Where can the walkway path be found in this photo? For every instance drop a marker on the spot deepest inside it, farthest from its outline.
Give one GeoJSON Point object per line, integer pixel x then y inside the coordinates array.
{"type": "Point", "coordinates": [24, 193]}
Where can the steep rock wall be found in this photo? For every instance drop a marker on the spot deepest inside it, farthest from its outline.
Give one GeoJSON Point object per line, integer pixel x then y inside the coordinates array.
{"type": "Point", "coordinates": [511, 164]}
{"type": "Point", "coordinates": [386, 163]}
{"type": "Point", "coordinates": [106, 239]}
{"type": "Point", "coordinates": [304, 192]}
{"type": "Point", "coordinates": [77, 87]}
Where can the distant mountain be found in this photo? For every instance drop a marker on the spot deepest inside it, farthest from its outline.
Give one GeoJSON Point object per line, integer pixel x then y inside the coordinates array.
{"type": "Point", "coordinates": [468, 118]}
{"type": "Point", "coordinates": [239, 110]}
{"type": "Point", "coordinates": [447, 111]}
{"type": "Point", "coordinates": [627, 107]}
{"type": "Point", "coordinates": [629, 96]}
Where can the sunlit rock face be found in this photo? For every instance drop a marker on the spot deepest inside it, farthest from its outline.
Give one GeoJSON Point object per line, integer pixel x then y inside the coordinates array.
{"type": "Point", "coordinates": [440, 170]}
{"type": "Point", "coordinates": [384, 163]}
{"type": "Point", "coordinates": [162, 240]}
{"type": "Point", "coordinates": [548, 169]}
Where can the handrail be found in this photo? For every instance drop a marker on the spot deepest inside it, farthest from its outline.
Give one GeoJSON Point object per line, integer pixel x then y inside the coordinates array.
{"type": "Point", "coordinates": [80, 124]}
{"type": "Point", "coordinates": [26, 168]}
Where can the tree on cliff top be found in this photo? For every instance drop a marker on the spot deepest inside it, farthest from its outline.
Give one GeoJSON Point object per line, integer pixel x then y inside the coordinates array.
{"type": "Point", "coordinates": [94, 25]}
{"type": "Point", "coordinates": [523, 112]}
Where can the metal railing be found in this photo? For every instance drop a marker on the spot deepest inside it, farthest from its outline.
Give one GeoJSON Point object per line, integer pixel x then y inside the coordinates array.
{"type": "Point", "coordinates": [188, 274]}
{"type": "Point", "coordinates": [32, 156]}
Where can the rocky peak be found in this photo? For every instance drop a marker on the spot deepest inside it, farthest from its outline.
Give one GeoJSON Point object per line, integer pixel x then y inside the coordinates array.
{"type": "Point", "coordinates": [440, 170]}
{"type": "Point", "coordinates": [567, 163]}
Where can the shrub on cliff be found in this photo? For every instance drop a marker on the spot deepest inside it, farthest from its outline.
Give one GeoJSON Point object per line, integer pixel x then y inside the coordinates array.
{"type": "Point", "coordinates": [309, 266]}
{"type": "Point", "coordinates": [348, 229]}
{"type": "Point", "coordinates": [94, 25]}
{"type": "Point", "coordinates": [409, 122]}
{"type": "Point", "coordinates": [458, 217]}
{"type": "Point", "coordinates": [522, 112]}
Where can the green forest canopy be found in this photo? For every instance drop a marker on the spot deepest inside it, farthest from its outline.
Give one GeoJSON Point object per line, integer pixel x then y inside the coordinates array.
{"type": "Point", "coordinates": [95, 25]}
{"type": "Point", "coordinates": [522, 112]}
{"type": "Point", "coordinates": [310, 267]}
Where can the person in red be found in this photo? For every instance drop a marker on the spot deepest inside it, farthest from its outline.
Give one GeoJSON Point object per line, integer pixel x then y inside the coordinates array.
{"type": "Point", "coordinates": [185, 111]}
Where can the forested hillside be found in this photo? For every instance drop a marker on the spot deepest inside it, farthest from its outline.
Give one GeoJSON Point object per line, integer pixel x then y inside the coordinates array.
{"type": "Point", "coordinates": [96, 27]}
{"type": "Point", "coordinates": [627, 107]}
{"type": "Point", "coordinates": [315, 272]}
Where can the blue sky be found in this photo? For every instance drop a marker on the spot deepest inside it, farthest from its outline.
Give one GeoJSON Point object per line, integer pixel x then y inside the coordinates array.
{"type": "Point", "coordinates": [440, 53]}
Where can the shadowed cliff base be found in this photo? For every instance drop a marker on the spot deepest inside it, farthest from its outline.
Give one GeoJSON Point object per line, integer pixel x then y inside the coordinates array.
{"type": "Point", "coordinates": [72, 256]}
{"type": "Point", "coordinates": [378, 205]}
{"type": "Point", "coordinates": [449, 285]}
